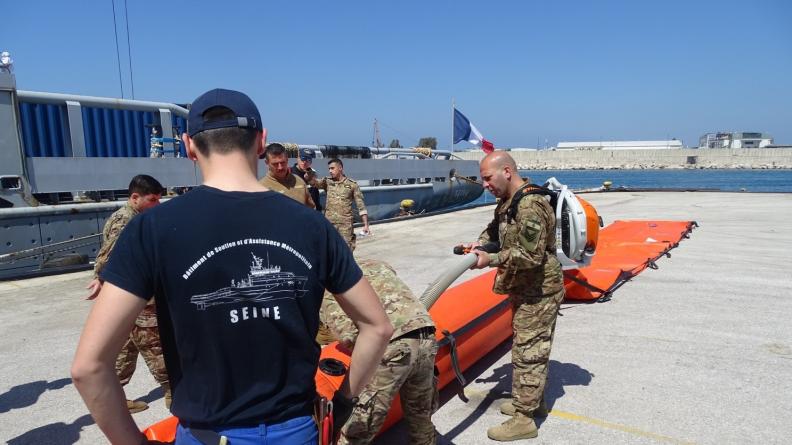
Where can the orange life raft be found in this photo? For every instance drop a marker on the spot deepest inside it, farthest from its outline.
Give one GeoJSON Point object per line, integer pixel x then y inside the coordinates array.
{"type": "Point", "coordinates": [471, 320]}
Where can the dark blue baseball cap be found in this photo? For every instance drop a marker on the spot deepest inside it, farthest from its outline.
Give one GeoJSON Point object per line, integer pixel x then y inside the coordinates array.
{"type": "Point", "coordinates": [245, 111]}
{"type": "Point", "coordinates": [307, 154]}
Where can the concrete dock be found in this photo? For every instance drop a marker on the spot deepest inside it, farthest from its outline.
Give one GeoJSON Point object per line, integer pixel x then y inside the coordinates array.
{"type": "Point", "coordinates": [698, 351]}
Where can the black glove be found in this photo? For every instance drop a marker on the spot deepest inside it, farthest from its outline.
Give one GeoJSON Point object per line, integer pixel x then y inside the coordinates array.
{"type": "Point", "coordinates": [342, 409]}
{"type": "Point", "coordinates": [489, 247]}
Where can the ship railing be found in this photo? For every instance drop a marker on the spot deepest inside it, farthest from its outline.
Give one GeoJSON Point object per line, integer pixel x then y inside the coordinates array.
{"type": "Point", "coordinates": [362, 151]}
{"type": "Point", "coordinates": [74, 116]}
{"type": "Point", "coordinates": [54, 144]}
{"type": "Point", "coordinates": [47, 252]}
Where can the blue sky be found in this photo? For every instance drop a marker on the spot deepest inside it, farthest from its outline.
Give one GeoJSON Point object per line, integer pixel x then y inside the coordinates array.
{"type": "Point", "coordinates": [523, 72]}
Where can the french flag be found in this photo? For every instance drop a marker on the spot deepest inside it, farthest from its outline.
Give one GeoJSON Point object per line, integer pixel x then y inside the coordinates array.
{"type": "Point", "coordinates": [466, 131]}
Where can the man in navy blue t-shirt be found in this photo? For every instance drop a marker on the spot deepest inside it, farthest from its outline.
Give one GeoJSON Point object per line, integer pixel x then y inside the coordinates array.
{"type": "Point", "coordinates": [238, 273]}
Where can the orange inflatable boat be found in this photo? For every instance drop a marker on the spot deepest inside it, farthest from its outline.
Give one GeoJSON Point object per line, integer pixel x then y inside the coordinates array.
{"type": "Point", "coordinates": [471, 320]}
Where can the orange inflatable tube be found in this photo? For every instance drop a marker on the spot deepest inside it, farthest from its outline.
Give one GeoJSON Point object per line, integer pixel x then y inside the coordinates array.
{"type": "Point", "coordinates": [471, 320]}
{"type": "Point", "coordinates": [624, 249]}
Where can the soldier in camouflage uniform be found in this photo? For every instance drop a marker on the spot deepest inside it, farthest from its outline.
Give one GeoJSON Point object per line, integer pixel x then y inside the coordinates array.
{"type": "Point", "coordinates": [279, 177]}
{"type": "Point", "coordinates": [156, 150]}
{"type": "Point", "coordinates": [341, 192]}
{"type": "Point", "coordinates": [144, 193]}
{"type": "Point", "coordinates": [302, 169]}
{"type": "Point", "coordinates": [407, 368]}
{"type": "Point", "coordinates": [530, 274]}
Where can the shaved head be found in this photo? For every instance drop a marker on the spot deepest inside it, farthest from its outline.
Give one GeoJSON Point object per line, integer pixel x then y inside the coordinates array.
{"type": "Point", "coordinates": [499, 159]}
{"type": "Point", "coordinates": [499, 174]}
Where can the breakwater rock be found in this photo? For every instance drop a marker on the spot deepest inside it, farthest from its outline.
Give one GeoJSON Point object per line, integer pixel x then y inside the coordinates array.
{"type": "Point", "coordinates": [746, 158]}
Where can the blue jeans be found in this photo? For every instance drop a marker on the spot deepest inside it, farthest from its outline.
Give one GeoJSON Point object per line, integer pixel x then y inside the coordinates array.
{"type": "Point", "coordinates": [298, 431]}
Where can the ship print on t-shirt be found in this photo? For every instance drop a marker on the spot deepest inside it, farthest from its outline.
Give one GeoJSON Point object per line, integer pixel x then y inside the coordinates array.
{"type": "Point", "coordinates": [263, 283]}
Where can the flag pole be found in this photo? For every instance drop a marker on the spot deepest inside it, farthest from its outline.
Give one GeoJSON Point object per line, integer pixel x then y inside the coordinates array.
{"type": "Point", "coordinates": [453, 108]}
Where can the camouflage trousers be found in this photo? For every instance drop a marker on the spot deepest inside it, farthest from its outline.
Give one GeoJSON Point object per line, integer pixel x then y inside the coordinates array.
{"type": "Point", "coordinates": [407, 368]}
{"type": "Point", "coordinates": [146, 342]}
{"type": "Point", "coordinates": [533, 321]}
{"type": "Point", "coordinates": [324, 336]}
{"type": "Point", "coordinates": [347, 232]}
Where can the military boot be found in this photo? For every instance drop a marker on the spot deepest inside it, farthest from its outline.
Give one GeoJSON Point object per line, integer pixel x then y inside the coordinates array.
{"type": "Point", "coordinates": [516, 428]}
{"type": "Point", "coordinates": [136, 406]}
{"type": "Point", "coordinates": [508, 409]}
{"type": "Point", "coordinates": [324, 336]}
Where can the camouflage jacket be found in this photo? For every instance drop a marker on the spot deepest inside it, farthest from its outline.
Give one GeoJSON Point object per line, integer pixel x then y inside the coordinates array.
{"type": "Point", "coordinates": [112, 229]}
{"type": "Point", "coordinates": [340, 195]}
{"type": "Point", "coordinates": [527, 264]}
{"type": "Point", "coordinates": [310, 178]}
{"type": "Point", "coordinates": [406, 313]}
{"type": "Point", "coordinates": [293, 187]}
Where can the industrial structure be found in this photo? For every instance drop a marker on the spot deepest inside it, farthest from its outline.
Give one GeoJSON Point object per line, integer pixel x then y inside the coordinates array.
{"type": "Point", "coordinates": [620, 145]}
{"type": "Point", "coordinates": [735, 140]}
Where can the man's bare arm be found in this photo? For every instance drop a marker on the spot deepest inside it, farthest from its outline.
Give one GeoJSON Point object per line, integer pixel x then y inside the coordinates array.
{"type": "Point", "coordinates": [94, 286]}
{"type": "Point", "coordinates": [93, 370]}
{"type": "Point", "coordinates": [365, 224]}
{"type": "Point", "coordinates": [363, 306]}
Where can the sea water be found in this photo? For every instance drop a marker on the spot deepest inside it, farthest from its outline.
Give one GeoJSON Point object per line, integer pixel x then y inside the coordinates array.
{"type": "Point", "coordinates": [710, 179]}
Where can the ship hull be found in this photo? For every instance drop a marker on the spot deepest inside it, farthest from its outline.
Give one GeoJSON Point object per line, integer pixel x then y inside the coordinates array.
{"type": "Point", "coordinates": [58, 150]}
{"type": "Point", "coordinates": [53, 227]}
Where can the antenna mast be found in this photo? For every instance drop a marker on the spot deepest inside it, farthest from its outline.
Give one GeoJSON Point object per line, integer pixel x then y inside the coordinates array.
{"type": "Point", "coordinates": [377, 140]}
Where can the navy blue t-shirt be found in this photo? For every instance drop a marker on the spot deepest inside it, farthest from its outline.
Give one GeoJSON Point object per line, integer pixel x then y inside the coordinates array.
{"type": "Point", "coordinates": [238, 279]}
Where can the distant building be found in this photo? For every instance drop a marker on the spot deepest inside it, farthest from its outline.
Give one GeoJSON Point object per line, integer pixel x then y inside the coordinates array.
{"type": "Point", "coordinates": [620, 145]}
{"type": "Point", "coordinates": [735, 140]}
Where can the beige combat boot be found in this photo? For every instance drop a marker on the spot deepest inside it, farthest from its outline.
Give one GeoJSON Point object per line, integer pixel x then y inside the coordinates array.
{"type": "Point", "coordinates": [516, 428]}
{"type": "Point", "coordinates": [507, 408]}
{"type": "Point", "coordinates": [136, 406]}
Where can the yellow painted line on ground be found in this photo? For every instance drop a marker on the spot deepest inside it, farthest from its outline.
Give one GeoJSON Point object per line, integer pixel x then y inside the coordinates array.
{"type": "Point", "coordinates": [616, 426]}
